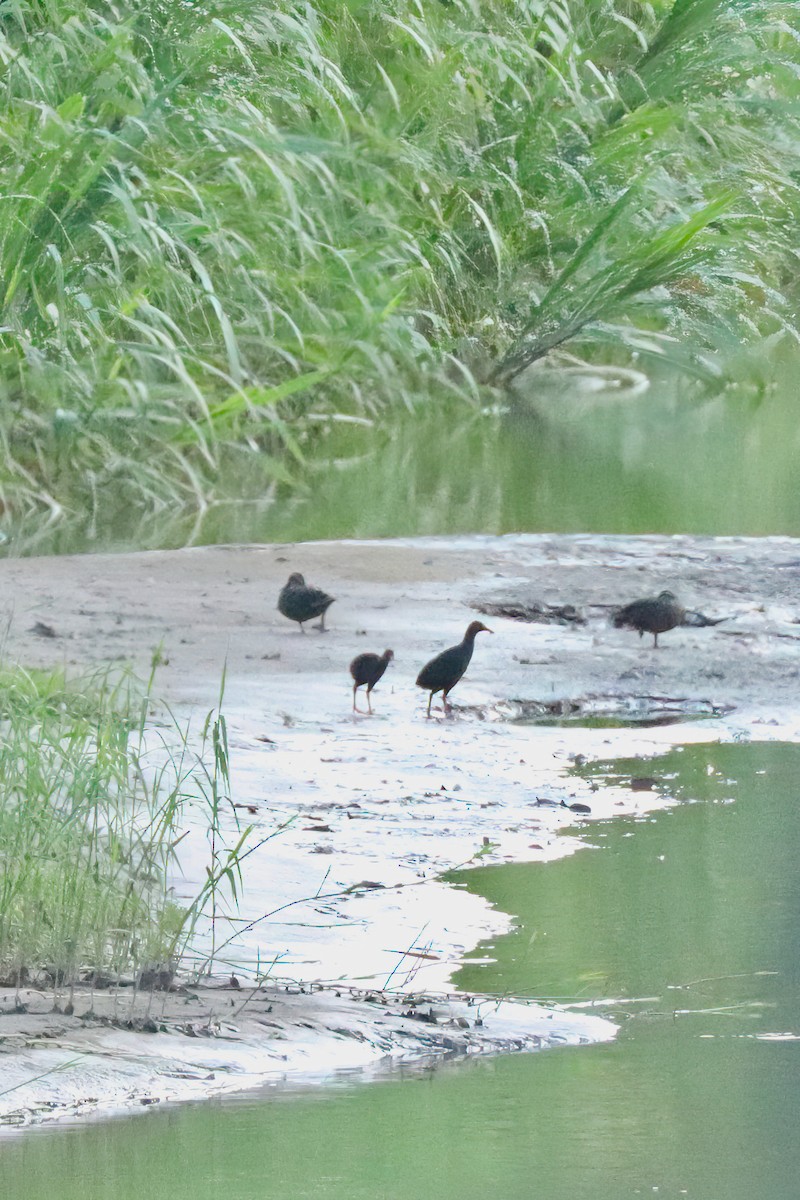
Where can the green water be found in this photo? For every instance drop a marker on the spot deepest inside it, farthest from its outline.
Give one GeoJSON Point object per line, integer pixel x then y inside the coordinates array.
{"type": "Point", "coordinates": [678, 459]}
{"type": "Point", "coordinates": [694, 909]}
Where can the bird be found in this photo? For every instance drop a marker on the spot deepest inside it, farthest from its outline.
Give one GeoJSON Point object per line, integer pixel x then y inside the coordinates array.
{"type": "Point", "coordinates": [576, 807]}
{"type": "Point", "coordinates": [655, 614]}
{"type": "Point", "coordinates": [368, 669]}
{"type": "Point", "coordinates": [443, 672]}
{"type": "Point", "coordinates": [300, 603]}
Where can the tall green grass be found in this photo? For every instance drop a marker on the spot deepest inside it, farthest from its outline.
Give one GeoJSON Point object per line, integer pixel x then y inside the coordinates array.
{"type": "Point", "coordinates": [224, 225]}
{"type": "Point", "coordinates": [90, 819]}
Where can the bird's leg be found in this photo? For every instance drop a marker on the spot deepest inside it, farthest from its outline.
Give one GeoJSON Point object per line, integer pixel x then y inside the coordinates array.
{"type": "Point", "coordinates": [447, 707]}
{"type": "Point", "coordinates": [355, 707]}
{"type": "Point", "coordinates": [430, 698]}
{"type": "Point", "coordinates": [369, 702]}
{"type": "Point", "coordinates": [321, 625]}
{"type": "Point", "coordinates": [655, 641]}
{"type": "Point", "coordinates": [300, 623]}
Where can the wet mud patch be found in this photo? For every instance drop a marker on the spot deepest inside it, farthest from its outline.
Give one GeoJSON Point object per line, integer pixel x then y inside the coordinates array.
{"type": "Point", "coordinates": [211, 1043]}
{"type": "Point", "coordinates": [533, 612]}
{"type": "Point", "coordinates": [601, 712]}
{"type": "Point", "coordinates": [538, 612]}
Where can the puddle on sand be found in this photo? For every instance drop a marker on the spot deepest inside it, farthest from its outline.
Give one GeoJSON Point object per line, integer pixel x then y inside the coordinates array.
{"type": "Point", "coordinates": [606, 712]}
{"type": "Point", "coordinates": [609, 722]}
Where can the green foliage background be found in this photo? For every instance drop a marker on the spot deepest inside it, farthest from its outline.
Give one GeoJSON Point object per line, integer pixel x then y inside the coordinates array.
{"type": "Point", "coordinates": [223, 223]}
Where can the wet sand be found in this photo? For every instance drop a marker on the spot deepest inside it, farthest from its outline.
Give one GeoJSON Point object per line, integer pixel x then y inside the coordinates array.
{"type": "Point", "coordinates": [391, 800]}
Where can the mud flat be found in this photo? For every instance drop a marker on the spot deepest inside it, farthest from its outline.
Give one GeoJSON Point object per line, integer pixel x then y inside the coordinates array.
{"type": "Point", "coordinates": [206, 1042]}
{"type": "Point", "coordinates": [346, 906]}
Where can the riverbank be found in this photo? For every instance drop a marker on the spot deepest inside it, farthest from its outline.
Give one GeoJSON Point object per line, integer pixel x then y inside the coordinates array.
{"type": "Point", "coordinates": [209, 1041]}
{"type": "Point", "coordinates": [359, 817]}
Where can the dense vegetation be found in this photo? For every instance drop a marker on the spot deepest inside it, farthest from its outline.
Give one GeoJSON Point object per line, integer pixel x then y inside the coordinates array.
{"type": "Point", "coordinates": [91, 810]}
{"type": "Point", "coordinates": [225, 224]}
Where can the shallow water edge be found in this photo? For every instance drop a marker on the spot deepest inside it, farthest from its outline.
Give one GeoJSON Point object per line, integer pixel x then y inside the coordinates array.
{"type": "Point", "coordinates": [394, 800]}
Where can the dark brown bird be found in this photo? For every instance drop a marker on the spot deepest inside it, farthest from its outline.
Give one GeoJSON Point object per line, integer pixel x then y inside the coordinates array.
{"type": "Point", "coordinates": [655, 615]}
{"type": "Point", "coordinates": [442, 673]}
{"type": "Point", "coordinates": [300, 603]}
{"type": "Point", "coordinates": [368, 669]}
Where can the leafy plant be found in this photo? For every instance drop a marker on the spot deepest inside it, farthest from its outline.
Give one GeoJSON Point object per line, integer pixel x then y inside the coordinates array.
{"type": "Point", "coordinates": [220, 223]}
{"type": "Point", "coordinates": [92, 806]}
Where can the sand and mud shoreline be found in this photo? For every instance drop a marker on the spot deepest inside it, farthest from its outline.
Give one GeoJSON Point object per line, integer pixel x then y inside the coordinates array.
{"type": "Point", "coordinates": [393, 800]}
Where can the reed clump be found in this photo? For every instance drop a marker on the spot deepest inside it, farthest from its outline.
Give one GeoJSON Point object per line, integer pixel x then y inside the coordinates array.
{"type": "Point", "coordinates": [92, 808]}
{"type": "Point", "coordinates": [225, 225]}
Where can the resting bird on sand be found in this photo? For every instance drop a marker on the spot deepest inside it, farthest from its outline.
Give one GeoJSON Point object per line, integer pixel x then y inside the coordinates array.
{"type": "Point", "coordinates": [300, 603]}
{"type": "Point", "coordinates": [442, 673]}
{"type": "Point", "coordinates": [654, 615]}
{"type": "Point", "coordinates": [368, 669]}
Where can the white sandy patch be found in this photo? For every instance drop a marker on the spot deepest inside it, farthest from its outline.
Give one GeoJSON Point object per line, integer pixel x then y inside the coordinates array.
{"type": "Point", "coordinates": [392, 800]}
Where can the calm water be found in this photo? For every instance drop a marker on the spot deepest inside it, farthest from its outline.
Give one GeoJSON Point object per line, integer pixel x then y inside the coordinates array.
{"type": "Point", "coordinates": [695, 912]}
{"type": "Point", "coordinates": [674, 460]}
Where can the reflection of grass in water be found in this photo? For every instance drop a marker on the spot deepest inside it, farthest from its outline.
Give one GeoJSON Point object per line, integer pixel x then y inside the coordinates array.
{"type": "Point", "coordinates": [686, 772]}
{"type": "Point", "coordinates": [707, 887]}
{"type": "Point", "coordinates": [659, 463]}
{"type": "Point", "coordinates": [89, 821]}
{"type": "Point", "coordinates": [614, 722]}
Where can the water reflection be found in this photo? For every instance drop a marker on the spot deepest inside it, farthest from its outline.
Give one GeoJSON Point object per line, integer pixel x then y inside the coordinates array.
{"type": "Point", "coordinates": [674, 459]}
{"type": "Point", "coordinates": [688, 918]}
